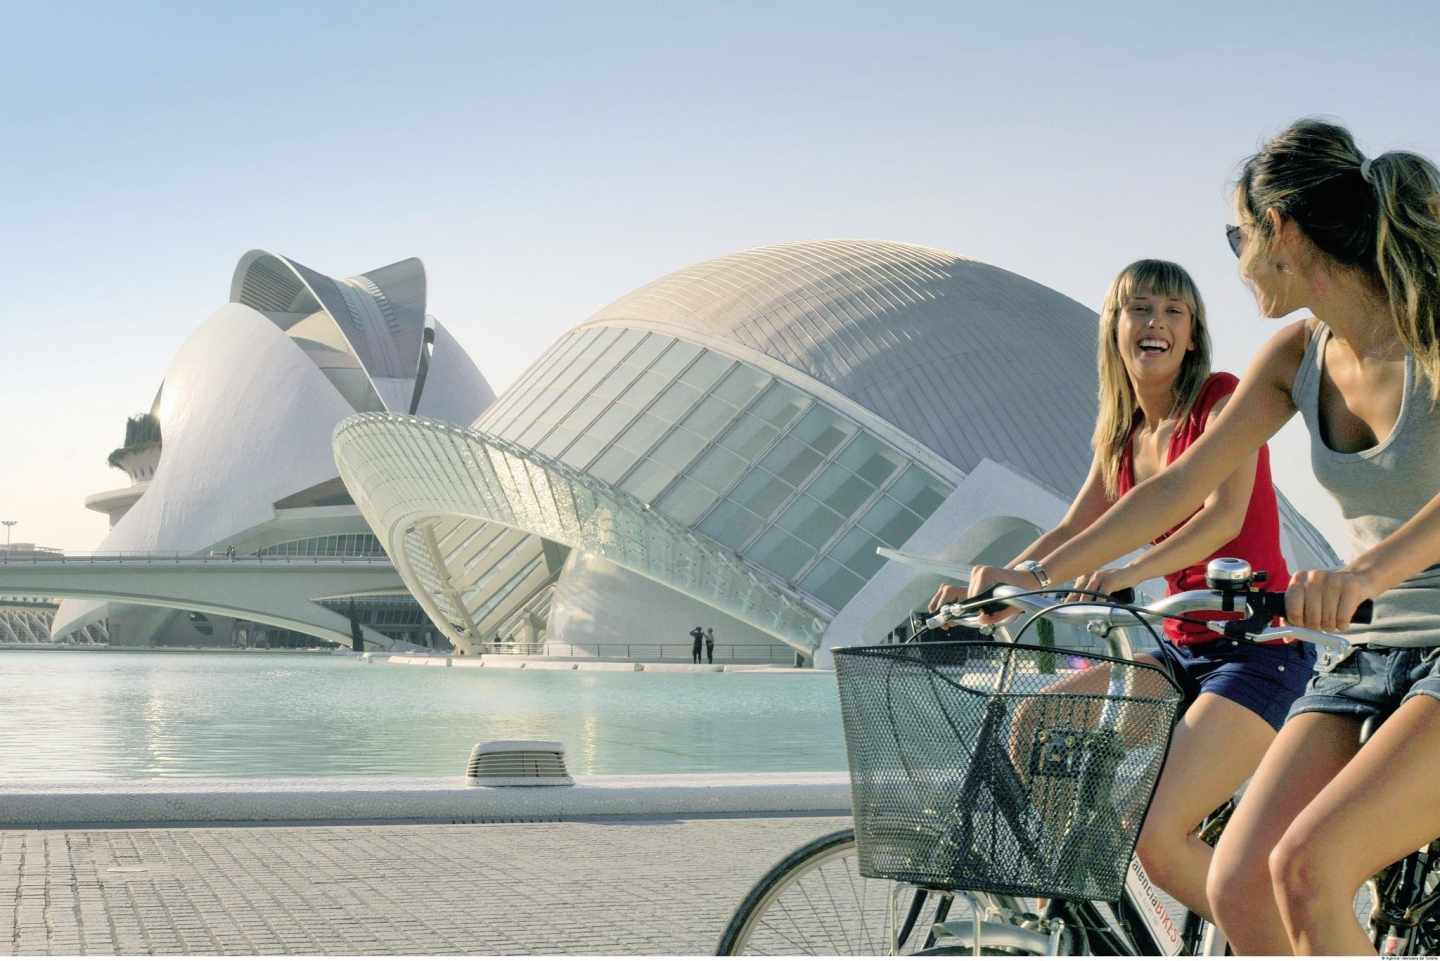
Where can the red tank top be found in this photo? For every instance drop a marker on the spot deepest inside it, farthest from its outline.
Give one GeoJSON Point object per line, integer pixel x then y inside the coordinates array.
{"type": "Point", "coordinates": [1259, 539]}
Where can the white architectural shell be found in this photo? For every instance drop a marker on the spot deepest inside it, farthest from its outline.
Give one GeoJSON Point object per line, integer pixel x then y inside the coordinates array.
{"type": "Point", "coordinates": [249, 403]}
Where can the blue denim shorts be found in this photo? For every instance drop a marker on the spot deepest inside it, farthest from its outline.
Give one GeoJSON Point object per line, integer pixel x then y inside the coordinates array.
{"type": "Point", "coordinates": [1265, 678]}
{"type": "Point", "coordinates": [1371, 680]}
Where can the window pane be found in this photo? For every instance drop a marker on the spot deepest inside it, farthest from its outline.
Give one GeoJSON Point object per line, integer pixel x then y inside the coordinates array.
{"type": "Point", "coordinates": [687, 500]}
{"type": "Point", "coordinates": [918, 491]}
{"type": "Point", "coordinates": [703, 374]}
{"type": "Point", "coordinates": [674, 402]}
{"type": "Point", "coordinates": [648, 480]}
{"type": "Point", "coordinates": [749, 437]}
{"type": "Point", "coordinates": [679, 448]}
{"type": "Point", "coordinates": [831, 583]}
{"type": "Point", "coordinates": [811, 521]}
{"type": "Point", "coordinates": [641, 434]}
{"type": "Point", "coordinates": [780, 405]}
{"type": "Point", "coordinates": [890, 522]}
{"type": "Point", "coordinates": [718, 469]}
{"type": "Point", "coordinates": [710, 418]}
{"type": "Point", "coordinates": [856, 551]}
{"type": "Point", "coordinates": [792, 460]}
{"type": "Point", "coordinates": [584, 448]}
{"type": "Point", "coordinates": [841, 490]}
{"type": "Point", "coordinates": [613, 464]}
{"type": "Point", "coordinates": [558, 440]}
{"type": "Point", "coordinates": [648, 349]}
{"type": "Point", "coordinates": [867, 457]}
{"type": "Point", "coordinates": [761, 493]}
{"type": "Point", "coordinates": [730, 525]}
{"type": "Point", "coordinates": [645, 389]}
{"type": "Point", "coordinates": [822, 430]}
{"type": "Point", "coordinates": [615, 382]}
{"type": "Point", "coordinates": [742, 383]}
{"type": "Point", "coordinates": [673, 360]}
{"type": "Point", "coordinates": [780, 553]}
{"type": "Point", "coordinates": [610, 424]}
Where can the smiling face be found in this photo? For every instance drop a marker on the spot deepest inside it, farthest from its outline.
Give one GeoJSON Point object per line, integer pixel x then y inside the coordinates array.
{"type": "Point", "coordinates": [1153, 335]}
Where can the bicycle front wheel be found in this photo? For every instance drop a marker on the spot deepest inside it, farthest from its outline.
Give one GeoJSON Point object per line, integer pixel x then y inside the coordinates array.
{"type": "Point", "coordinates": [815, 903]}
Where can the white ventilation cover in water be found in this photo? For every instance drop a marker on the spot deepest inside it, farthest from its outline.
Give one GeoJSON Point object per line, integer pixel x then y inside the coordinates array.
{"type": "Point", "coordinates": [518, 764]}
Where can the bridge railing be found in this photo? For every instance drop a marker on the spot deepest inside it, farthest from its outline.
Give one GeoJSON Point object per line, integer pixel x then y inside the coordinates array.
{"type": "Point", "coordinates": [184, 558]}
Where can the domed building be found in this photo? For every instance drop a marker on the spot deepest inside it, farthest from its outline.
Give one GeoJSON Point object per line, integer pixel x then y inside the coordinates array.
{"type": "Point", "coordinates": [234, 458]}
{"type": "Point", "coordinates": [729, 445]}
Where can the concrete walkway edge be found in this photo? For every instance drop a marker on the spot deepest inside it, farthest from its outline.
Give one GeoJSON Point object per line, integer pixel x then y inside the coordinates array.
{"type": "Point", "coordinates": [375, 799]}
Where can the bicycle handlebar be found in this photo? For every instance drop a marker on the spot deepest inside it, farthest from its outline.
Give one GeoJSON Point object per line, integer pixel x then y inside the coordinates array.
{"type": "Point", "coordinates": [1261, 606]}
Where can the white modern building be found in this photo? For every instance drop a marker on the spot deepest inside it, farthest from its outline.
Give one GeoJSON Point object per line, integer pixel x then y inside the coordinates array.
{"type": "Point", "coordinates": [234, 455]}
{"type": "Point", "coordinates": [729, 445]}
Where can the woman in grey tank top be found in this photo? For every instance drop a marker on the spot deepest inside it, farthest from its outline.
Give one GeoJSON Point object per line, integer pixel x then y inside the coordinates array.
{"type": "Point", "coordinates": [1356, 243]}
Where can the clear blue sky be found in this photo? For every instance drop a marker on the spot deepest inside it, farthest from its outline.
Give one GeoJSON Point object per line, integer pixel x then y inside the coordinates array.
{"type": "Point", "coordinates": [543, 159]}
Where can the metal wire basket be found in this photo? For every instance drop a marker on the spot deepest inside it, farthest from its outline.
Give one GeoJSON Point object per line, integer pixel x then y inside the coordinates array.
{"type": "Point", "coordinates": [1007, 768]}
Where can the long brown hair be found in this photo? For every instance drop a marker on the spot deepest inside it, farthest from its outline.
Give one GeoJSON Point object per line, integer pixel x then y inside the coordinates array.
{"type": "Point", "coordinates": [1380, 217]}
{"type": "Point", "coordinates": [1118, 400]}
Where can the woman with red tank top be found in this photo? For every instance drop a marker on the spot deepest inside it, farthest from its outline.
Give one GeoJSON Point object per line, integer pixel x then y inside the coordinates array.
{"type": "Point", "coordinates": [1157, 396]}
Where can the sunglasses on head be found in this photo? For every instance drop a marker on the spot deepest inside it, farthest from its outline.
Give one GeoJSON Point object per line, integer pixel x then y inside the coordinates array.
{"type": "Point", "coordinates": [1236, 238]}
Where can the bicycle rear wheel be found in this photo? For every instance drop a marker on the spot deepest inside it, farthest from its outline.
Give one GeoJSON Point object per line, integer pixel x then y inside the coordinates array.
{"type": "Point", "coordinates": [815, 903]}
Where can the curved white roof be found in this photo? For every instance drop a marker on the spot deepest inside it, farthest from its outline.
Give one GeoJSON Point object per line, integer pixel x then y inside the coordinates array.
{"type": "Point", "coordinates": [378, 317]}
{"type": "Point", "coordinates": [251, 398]}
{"type": "Point", "coordinates": [968, 359]}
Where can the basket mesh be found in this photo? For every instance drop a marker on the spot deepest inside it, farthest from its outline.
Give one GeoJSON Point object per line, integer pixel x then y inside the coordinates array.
{"type": "Point", "coordinates": [998, 767]}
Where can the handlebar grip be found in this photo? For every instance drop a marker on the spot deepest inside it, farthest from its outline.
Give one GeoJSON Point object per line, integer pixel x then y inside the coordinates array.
{"type": "Point", "coordinates": [1126, 595]}
{"type": "Point", "coordinates": [1272, 604]}
{"type": "Point", "coordinates": [995, 608]}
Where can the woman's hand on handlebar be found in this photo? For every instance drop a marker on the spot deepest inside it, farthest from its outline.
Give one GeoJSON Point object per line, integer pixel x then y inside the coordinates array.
{"type": "Point", "coordinates": [1102, 582]}
{"type": "Point", "coordinates": [1326, 600]}
{"type": "Point", "coordinates": [982, 579]}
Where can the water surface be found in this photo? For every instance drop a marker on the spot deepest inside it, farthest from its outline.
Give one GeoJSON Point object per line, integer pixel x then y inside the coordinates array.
{"type": "Point", "coordinates": [117, 715]}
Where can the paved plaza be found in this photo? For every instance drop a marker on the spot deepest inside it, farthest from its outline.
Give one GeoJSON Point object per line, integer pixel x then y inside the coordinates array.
{"type": "Point", "coordinates": [560, 887]}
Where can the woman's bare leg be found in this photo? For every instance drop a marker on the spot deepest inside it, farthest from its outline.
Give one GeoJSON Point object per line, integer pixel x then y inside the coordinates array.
{"type": "Point", "coordinates": [1384, 804]}
{"type": "Point", "coordinates": [1217, 745]}
{"type": "Point", "coordinates": [1309, 750]}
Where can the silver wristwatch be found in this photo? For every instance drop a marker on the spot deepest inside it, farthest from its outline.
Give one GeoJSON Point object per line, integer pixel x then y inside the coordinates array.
{"type": "Point", "coordinates": [1036, 568]}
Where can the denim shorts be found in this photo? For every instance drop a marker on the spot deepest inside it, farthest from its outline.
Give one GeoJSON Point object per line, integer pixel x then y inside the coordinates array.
{"type": "Point", "coordinates": [1265, 678]}
{"type": "Point", "coordinates": [1371, 680]}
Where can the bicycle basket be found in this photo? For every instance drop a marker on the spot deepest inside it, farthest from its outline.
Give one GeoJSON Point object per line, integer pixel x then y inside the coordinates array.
{"type": "Point", "coordinates": [1007, 768]}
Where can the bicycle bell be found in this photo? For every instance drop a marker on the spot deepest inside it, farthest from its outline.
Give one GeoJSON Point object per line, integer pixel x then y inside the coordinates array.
{"type": "Point", "coordinates": [1229, 574]}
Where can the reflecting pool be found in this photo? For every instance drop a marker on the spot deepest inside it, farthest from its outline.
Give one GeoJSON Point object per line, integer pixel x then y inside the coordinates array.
{"type": "Point", "coordinates": [116, 715]}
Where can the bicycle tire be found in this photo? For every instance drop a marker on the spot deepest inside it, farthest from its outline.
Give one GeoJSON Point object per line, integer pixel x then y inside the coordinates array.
{"type": "Point", "coordinates": [814, 902]}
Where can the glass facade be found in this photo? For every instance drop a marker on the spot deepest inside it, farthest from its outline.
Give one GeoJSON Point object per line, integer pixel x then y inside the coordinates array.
{"type": "Point", "coordinates": [783, 480]}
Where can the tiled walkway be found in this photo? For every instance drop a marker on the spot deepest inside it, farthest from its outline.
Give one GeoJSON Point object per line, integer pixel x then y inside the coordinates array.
{"type": "Point", "coordinates": [573, 887]}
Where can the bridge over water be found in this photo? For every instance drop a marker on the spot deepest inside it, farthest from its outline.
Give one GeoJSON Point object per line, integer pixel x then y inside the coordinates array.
{"type": "Point", "coordinates": [281, 591]}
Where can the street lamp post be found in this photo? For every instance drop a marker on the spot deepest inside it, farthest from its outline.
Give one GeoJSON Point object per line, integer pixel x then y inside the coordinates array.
{"type": "Point", "coordinates": [8, 525]}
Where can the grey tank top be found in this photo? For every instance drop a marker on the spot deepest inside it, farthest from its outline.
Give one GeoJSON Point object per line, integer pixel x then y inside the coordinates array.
{"type": "Point", "coordinates": [1378, 490]}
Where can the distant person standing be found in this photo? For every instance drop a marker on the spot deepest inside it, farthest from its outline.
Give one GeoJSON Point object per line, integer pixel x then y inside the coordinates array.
{"type": "Point", "coordinates": [697, 634]}
{"type": "Point", "coordinates": [710, 644]}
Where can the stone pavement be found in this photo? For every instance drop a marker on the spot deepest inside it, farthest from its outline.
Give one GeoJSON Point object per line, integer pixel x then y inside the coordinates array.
{"type": "Point", "coordinates": [569, 887]}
